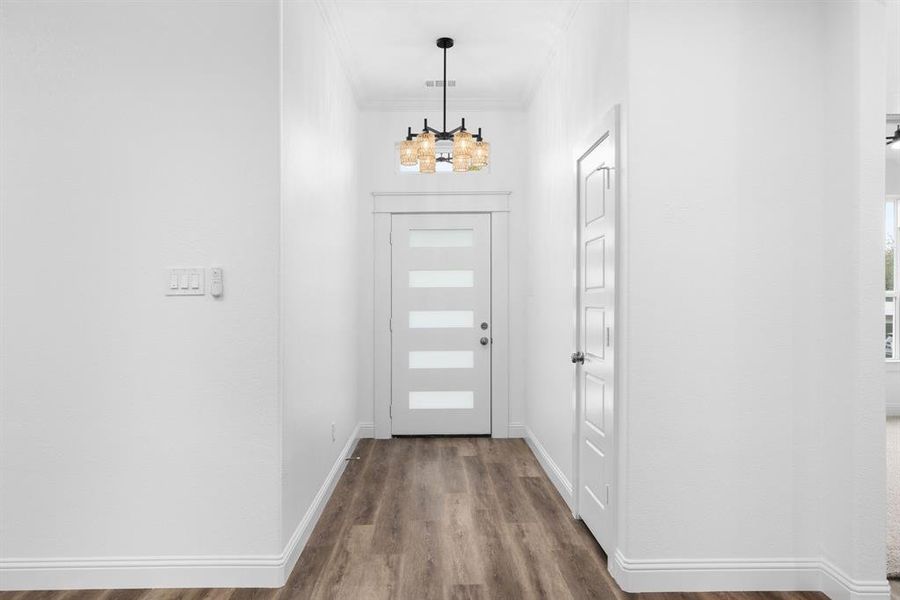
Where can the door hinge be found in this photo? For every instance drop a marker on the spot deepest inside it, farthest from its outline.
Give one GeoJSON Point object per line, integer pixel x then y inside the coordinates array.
{"type": "Point", "coordinates": [391, 238]}
{"type": "Point", "coordinates": [607, 336]}
{"type": "Point", "coordinates": [390, 324]}
{"type": "Point", "coordinates": [391, 410]}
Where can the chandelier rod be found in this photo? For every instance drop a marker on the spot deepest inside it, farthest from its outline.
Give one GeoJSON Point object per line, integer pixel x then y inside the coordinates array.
{"type": "Point", "coordinates": [445, 89]}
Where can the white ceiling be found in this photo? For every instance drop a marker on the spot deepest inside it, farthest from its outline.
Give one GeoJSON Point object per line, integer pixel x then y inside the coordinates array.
{"type": "Point", "coordinates": [502, 48]}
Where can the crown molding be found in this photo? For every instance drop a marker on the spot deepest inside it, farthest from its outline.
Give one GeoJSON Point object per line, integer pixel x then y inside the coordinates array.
{"type": "Point", "coordinates": [331, 15]}
{"type": "Point", "coordinates": [436, 104]}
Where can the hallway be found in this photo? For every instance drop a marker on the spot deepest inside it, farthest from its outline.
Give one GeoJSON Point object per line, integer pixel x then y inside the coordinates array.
{"type": "Point", "coordinates": [438, 518]}
{"type": "Point", "coordinates": [270, 269]}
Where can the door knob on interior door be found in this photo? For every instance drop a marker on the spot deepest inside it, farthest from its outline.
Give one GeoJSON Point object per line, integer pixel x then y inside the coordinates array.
{"type": "Point", "coordinates": [578, 357]}
{"type": "Point", "coordinates": [484, 341]}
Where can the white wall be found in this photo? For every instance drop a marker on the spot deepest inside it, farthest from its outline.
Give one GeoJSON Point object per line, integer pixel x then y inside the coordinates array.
{"type": "Point", "coordinates": [733, 390]}
{"type": "Point", "coordinates": [168, 441]}
{"type": "Point", "coordinates": [580, 85]}
{"type": "Point", "coordinates": [893, 56]}
{"type": "Point", "coordinates": [505, 130]}
{"type": "Point", "coordinates": [138, 136]}
{"type": "Point", "coordinates": [892, 383]}
{"type": "Point", "coordinates": [722, 256]}
{"type": "Point", "coordinates": [322, 251]}
{"type": "Point", "coordinates": [892, 160]}
{"type": "Point", "coordinates": [854, 484]}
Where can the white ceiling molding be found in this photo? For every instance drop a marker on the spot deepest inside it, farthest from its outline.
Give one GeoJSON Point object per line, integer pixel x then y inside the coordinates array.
{"type": "Point", "coordinates": [457, 104]}
{"type": "Point", "coordinates": [377, 43]}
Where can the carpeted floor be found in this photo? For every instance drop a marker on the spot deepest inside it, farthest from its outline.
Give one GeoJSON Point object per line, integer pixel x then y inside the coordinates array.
{"type": "Point", "coordinates": [893, 500]}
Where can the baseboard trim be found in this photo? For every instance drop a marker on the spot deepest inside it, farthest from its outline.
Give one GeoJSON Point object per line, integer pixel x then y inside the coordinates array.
{"type": "Point", "coordinates": [764, 575]}
{"type": "Point", "coordinates": [297, 542]}
{"type": "Point", "coordinates": [556, 475]}
{"type": "Point", "coordinates": [518, 430]}
{"type": "Point", "coordinates": [268, 571]}
{"type": "Point", "coordinates": [838, 586]}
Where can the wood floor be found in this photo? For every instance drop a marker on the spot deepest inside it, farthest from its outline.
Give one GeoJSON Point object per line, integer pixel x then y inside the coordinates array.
{"type": "Point", "coordinates": [442, 518]}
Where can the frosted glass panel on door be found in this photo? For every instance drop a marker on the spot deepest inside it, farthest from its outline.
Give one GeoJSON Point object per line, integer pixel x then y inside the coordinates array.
{"type": "Point", "coordinates": [441, 359]}
{"type": "Point", "coordinates": [441, 400]}
{"type": "Point", "coordinates": [441, 279]}
{"type": "Point", "coordinates": [441, 238]}
{"type": "Point", "coordinates": [440, 319]}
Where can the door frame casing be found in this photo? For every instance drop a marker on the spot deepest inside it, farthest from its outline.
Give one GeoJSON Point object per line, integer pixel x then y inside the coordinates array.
{"type": "Point", "coordinates": [386, 204]}
{"type": "Point", "coordinates": [611, 122]}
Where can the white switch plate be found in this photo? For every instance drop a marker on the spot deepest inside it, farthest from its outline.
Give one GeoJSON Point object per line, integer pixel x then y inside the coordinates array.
{"type": "Point", "coordinates": [186, 281]}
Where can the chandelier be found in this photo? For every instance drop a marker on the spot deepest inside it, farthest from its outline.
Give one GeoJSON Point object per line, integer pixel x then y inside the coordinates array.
{"type": "Point", "coordinates": [468, 152]}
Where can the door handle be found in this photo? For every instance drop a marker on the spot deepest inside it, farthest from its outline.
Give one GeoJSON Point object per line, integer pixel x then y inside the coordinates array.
{"type": "Point", "coordinates": [578, 357]}
{"type": "Point", "coordinates": [484, 341]}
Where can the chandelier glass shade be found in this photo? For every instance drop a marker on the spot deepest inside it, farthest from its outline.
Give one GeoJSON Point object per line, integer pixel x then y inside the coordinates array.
{"type": "Point", "coordinates": [466, 151]}
{"type": "Point", "coordinates": [425, 144]}
{"type": "Point", "coordinates": [480, 155]}
{"type": "Point", "coordinates": [463, 143]}
{"type": "Point", "coordinates": [409, 153]}
{"type": "Point", "coordinates": [461, 163]}
{"type": "Point", "coordinates": [427, 164]}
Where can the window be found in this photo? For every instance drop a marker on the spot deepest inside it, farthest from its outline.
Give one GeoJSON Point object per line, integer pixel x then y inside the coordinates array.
{"type": "Point", "coordinates": [891, 299]}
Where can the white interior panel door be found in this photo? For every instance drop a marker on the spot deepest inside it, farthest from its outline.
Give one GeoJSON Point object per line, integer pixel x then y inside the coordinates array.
{"type": "Point", "coordinates": [596, 320]}
{"type": "Point", "coordinates": [440, 324]}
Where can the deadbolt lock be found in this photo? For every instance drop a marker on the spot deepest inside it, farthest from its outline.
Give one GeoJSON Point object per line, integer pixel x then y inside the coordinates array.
{"type": "Point", "coordinates": [484, 325]}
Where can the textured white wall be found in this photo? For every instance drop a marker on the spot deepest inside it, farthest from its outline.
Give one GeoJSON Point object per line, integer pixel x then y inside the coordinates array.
{"type": "Point", "coordinates": [580, 85]}
{"type": "Point", "coordinates": [892, 185]}
{"type": "Point", "coordinates": [505, 130]}
{"type": "Point", "coordinates": [893, 57]}
{"type": "Point", "coordinates": [322, 252]}
{"type": "Point", "coordinates": [734, 390]}
{"type": "Point", "coordinates": [852, 405]}
{"type": "Point", "coordinates": [723, 250]}
{"type": "Point", "coordinates": [138, 136]}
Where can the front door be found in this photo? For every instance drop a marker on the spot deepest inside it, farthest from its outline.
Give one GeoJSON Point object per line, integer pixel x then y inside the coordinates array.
{"type": "Point", "coordinates": [441, 324]}
{"type": "Point", "coordinates": [595, 321]}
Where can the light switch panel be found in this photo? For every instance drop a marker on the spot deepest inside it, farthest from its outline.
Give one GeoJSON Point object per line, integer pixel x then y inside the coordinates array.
{"type": "Point", "coordinates": [185, 281]}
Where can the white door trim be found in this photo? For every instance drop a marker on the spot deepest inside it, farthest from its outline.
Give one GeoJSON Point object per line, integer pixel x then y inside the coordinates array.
{"type": "Point", "coordinates": [383, 206]}
{"type": "Point", "coordinates": [440, 202]}
{"type": "Point", "coordinates": [611, 123]}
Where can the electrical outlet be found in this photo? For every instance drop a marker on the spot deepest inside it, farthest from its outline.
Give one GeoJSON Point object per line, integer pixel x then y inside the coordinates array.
{"type": "Point", "coordinates": [333, 438]}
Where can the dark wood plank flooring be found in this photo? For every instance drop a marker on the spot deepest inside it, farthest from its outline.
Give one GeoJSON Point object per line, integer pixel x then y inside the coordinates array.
{"type": "Point", "coordinates": [438, 518]}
